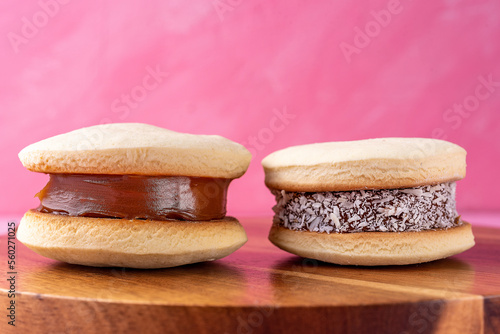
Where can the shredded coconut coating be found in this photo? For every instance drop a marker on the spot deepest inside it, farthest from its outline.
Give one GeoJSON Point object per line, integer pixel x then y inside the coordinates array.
{"type": "Point", "coordinates": [382, 210]}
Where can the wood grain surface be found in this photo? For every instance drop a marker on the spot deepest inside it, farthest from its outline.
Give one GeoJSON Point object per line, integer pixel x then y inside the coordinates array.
{"type": "Point", "coordinates": [259, 289]}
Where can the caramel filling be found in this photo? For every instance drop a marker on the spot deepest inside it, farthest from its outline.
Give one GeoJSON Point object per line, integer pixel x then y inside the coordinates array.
{"type": "Point", "coordinates": [135, 196]}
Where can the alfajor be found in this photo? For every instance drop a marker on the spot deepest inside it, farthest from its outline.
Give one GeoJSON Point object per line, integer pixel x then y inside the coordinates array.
{"type": "Point", "coordinates": [133, 195]}
{"type": "Point", "coordinates": [387, 201]}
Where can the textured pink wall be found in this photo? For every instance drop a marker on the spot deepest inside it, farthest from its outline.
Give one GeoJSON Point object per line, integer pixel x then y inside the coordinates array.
{"type": "Point", "coordinates": [267, 74]}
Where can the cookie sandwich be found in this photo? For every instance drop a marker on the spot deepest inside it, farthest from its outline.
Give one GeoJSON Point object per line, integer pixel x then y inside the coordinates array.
{"type": "Point", "coordinates": [387, 201]}
{"type": "Point", "coordinates": [133, 195]}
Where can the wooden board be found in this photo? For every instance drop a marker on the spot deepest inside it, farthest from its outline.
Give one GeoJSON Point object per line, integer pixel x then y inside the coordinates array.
{"type": "Point", "coordinates": [260, 289]}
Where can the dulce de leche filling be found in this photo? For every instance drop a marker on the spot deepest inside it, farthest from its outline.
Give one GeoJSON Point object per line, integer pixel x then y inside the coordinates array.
{"type": "Point", "coordinates": [135, 196]}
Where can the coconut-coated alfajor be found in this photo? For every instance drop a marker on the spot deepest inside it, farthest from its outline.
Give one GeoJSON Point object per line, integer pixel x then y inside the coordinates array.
{"type": "Point", "coordinates": [386, 201]}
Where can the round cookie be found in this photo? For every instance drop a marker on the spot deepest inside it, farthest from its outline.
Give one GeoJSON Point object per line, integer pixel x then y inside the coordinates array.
{"type": "Point", "coordinates": [135, 148]}
{"type": "Point", "coordinates": [382, 163]}
{"type": "Point", "coordinates": [375, 248]}
{"type": "Point", "coordinates": [104, 242]}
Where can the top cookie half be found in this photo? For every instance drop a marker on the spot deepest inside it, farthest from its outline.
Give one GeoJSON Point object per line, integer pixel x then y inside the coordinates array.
{"type": "Point", "coordinates": [384, 163]}
{"type": "Point", "coordinates": [134, 148]}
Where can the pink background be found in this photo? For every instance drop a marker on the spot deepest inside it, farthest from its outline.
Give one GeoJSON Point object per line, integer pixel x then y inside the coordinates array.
{"type": "Point", "coordinates": [340, 71]}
